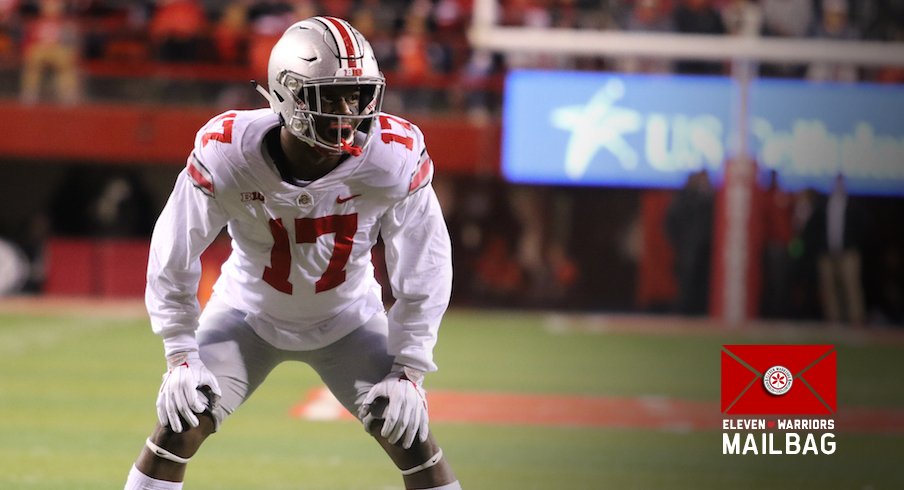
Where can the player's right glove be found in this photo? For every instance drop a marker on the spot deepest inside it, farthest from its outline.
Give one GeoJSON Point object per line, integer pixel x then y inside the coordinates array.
{"type": "Point", "coordinates": [180, 394]}
{"type": "Point", "coordinates": [405, 412]}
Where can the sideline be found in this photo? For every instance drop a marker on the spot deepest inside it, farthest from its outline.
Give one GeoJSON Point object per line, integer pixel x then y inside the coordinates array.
{"type": "Point", "coordinates": [788, 331]}
{"type": "Point", "coordinates": [127, 308]}
{"type": "Point", "coordinates": [657, 413]}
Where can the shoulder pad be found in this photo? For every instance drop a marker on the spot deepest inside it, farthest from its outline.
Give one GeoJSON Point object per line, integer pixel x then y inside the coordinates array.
{"type": "Point", "coordinates": [212, 143]}
{"type": "Point", "coordinates": [400, 152]}
{"type": "Point", "coordinates": [218, 148]}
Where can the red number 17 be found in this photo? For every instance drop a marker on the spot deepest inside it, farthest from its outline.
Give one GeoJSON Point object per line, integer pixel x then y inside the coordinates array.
{"type": "Point", "coordinates": [387, 137]}
{"type": "Point", "coordinates": [306, 231]}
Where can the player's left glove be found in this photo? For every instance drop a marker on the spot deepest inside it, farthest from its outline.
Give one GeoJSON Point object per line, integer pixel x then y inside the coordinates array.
{"type": "Point", "coordinates": [181, 396]}
{"type": "Point", "coordinates": [405, 412]}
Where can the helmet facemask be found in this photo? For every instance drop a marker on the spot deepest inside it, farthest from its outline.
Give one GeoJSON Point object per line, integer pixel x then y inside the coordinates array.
{"type": "Point", "coordinates": [322, 56]}
{"type": "Point", "coordinates": [335, 113]}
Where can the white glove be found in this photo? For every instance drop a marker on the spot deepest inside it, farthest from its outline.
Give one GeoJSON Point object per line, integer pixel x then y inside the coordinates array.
{"type": "Point", "coordinates": [181, 392]}
{"type": "Point", "coordinates": [405, 411]}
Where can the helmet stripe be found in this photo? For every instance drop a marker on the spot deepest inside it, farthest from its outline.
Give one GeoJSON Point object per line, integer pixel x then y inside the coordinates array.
{"type": "Point", "coordinates": [345, 40]}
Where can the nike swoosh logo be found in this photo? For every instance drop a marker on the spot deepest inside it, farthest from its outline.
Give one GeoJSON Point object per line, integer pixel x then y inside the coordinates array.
{"type": "Point", "coordinates": [307, 59]}
{"type": "Point", "coordinates": [340, 199]}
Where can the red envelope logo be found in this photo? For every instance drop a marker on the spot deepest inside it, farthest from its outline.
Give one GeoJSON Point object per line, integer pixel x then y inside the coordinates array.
{"type": "Point", "coordinates": [779, 379]}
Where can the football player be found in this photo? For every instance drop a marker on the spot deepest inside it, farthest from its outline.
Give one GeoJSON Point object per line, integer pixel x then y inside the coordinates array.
{"type": "Point", "coordinates": [304, 190]}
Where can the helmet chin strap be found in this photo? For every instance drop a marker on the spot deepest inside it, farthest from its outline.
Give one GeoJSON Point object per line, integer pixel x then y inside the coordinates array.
{"type": "Point", "coordinates": [262, 91]}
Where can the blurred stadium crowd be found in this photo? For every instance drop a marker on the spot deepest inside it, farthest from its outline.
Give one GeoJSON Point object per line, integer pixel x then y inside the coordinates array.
{"type": "Point", "coordinates": [515, 245]}
{"type": "Point", "coordinates": [203, 48]}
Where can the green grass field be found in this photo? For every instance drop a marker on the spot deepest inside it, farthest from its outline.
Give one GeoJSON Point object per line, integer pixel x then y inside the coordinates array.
{"type": "Point", "coordinates": [77, 393]}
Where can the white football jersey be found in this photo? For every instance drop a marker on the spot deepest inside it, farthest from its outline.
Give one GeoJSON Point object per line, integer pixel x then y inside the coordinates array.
{"type": "Point", "coordinates": [301, 265]}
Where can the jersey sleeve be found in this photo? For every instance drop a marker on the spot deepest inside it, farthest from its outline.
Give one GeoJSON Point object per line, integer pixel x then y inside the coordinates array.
{"type": "Point", "coordinates": [188, 224]}
{"type": "Point", "coordinates": [419, 262]}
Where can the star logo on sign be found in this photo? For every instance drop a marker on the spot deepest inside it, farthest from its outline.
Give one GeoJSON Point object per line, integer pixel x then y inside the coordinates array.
{"type": "Point", "coordinates": [598, 125]}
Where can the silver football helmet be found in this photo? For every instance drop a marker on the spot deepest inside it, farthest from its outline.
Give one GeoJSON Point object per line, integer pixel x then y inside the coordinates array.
{"type": "Point", "coordinates": [313, 57]}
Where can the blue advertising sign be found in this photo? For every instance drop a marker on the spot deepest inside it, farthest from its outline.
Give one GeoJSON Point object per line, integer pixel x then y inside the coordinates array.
{"type": "Point", "coordinates": [582, 128]}
{"type": "Point", "coordinates": [811, 132]}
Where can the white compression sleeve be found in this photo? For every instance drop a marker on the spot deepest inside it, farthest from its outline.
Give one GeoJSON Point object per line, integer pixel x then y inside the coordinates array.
{"type": "Point", "coordinates": [449, 486]}
{"type": "Point", "coordinates": [139, 481]}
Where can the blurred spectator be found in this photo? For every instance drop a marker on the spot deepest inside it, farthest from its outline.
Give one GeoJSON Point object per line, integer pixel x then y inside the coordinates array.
{"type": "Point", "coordinates": [891, 74]}
{"type": "Point", "coordinates": [450, 16]}
{"type": "Point", "coordinates": [599, 14]}
{"type": "Point", "coordinates": [337, 8]}
{"type": "Point", "coordinates": [834, 24]}
{"type": "Point", "coordinates": [786, 18]}
{"type": "Point", "coordinates": [742, 17]}
{"type": "Point", "coordinates": [10, 31]}
{"type": "Point", "coordinates": [450, 20]}
{"type": "Point", "coordinates": [646, 16]}
{"type": "Point", "coordinates": [873, 19]}
{"type": "Point", "coordinates": [485, 233]}
{"type": "Point", "coordinates": [840, 276]}
{"type": "Point", "coordinates": [97, 201]}
{"type": "Point", "coordinates": [94, 18]}
{"type": "Point", "coordinates": [416, 67]}
{"type": "Point", "coordinates": [387, 16]}
{"type": "Point", "coordinates": [378, 25]}
{"type": "Point", "coordinates": [33, 238]}
{"type": "Point", "coordinates": [777, 212]}
{"type": "Point", "coordinates": [269, 19]}
{"type": "Point", "coordinates": [51, 43]}
{"type": "Point", "coordinates": [542, 218]}
{"type": "Point", "coordinates": [803, 254]}
{"type": "Point", "coordinates": [535, 14]}
{"type": "Point", "coordinates": [891, 25]}
{"type": "Point", "coordinates": [499, 277]}
{"type": "Point", "coordinates": [890, 286]}
{"type": "Point", "coordinates": [689, 227]}
{"type": "Point", "coordinates": [698, 17]}
{"type": "Point", "coordinates": [530, 207]}
{"type": "Point", "coordinates": [411, 47]}
{"type": "Point", "coordinates": [126, 38]}
{"type": "Point", "coordinates": [123, 207]}
{"type": "Point", "coordinates": [565, 14]}
{"type": "Point", "coordinates": [177, 30]}
{"type": "Point", "coordinates": [866, 16]}
{"type": "Point", "coordinates": [563, 275]}
{"type": "Point", "coordinates": [478, 97]}
{"type": "Point", "coordinates": [422, 58]}
{"type": "Point", "coordinates": [230, 33]}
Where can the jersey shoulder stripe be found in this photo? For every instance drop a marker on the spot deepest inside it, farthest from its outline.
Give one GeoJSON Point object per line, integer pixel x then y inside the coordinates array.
{"type": "Point", "coordinates": [423, 173]}
{"type": "Point", "coordinates": [200, 175]}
